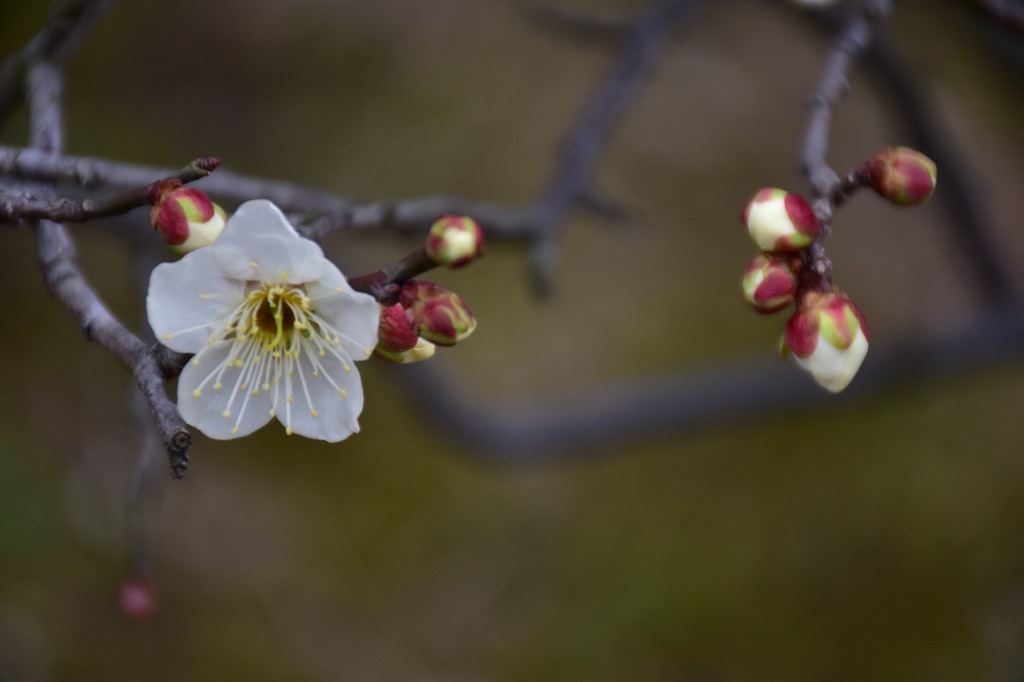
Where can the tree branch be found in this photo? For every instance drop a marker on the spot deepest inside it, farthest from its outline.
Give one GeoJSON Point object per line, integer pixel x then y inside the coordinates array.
{"type": "Point", "coordinates": [56, 255]}
{"type": "Point", "coordinates": [15, 207]}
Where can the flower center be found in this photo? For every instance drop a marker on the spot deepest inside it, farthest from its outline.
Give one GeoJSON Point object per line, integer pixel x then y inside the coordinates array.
{"type": "Point", "coordinates": [275, 315]}
{"type": "Point", "coordinates": [278, 345]}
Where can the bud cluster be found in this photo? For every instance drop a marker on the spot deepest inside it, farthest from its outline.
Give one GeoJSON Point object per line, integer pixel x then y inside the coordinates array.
{"type": "Point", "coordinates": [827, 335]}
{"type": "Point", "coordinates": [425, 316]}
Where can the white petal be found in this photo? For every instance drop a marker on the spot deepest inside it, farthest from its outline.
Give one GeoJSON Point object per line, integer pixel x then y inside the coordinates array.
{"type": "Point", "coordinates": [355, 315]}
{"type": "Point", "coordinates": [833, 368]}
{"type": "Point", "coordinates": [188, 298]}
{"type": "Point", "coordinates": [274, 252]}
{"type": "Point", "coordinates": [246, 412]}
{"type": "Point", "coordinates": [336, 415]}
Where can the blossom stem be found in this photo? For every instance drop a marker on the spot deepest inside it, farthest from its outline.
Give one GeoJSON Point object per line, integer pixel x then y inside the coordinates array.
{"type": "Point", "coordinates": [386, 284]}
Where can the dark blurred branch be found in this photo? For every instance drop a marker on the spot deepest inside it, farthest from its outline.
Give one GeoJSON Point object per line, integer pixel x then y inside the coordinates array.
{"type": "Point", "coordinates": [970, 216]}
{"type": "Point", "coordinates": [543, 220]}
{"type": "Point", "coordinates": [573, 174]}
{"type": "Point", "coordinates": [1009, 12]}
{"type": "Point", "coordinates": [69, 22]}
{"type": "Point", "coordinates": [570, 426]}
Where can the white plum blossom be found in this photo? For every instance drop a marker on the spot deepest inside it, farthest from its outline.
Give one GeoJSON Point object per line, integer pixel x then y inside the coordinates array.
{"type": "Point", "coordinates": [274, 326]}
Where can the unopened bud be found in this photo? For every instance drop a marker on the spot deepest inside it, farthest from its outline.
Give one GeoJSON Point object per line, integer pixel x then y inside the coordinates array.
{"type": "Point", "coordinates": [438, 315]}
{"type": "Point", "coordinates": [185, 217]}
{"type": "Point", "coordinates": [769, 284]}
{"type": "Point", "coordinates": [780, 222]}
{"type": "Point", "coordinates": [137, 598]}
{"type": "Point", "coordinates": [904, 176]}
{"type": "Point", "coordinates": [455, 241]}
{"type": "Point", "coordinates": [395, 333]}
{"type": "Point", "coordinates": [827, 337]}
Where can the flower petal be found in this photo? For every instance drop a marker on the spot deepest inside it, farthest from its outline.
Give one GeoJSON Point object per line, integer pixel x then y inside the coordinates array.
{"type": "Point", "coordinates": [355, 315]}
{"type": "Point", "coordinates": [327, 399]}
{"type": "Point", "coordinates": [274, 252]}
{"type": "Point", "coordinates": [188, 298]}
{"type": "Point", "coordinates": [203, 404]}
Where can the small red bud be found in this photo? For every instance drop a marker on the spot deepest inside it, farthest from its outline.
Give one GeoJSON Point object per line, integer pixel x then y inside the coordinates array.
{"type": "Point", "coordinates": [137, 598]}
{"type": "Point", "coordinates": [904, 176]}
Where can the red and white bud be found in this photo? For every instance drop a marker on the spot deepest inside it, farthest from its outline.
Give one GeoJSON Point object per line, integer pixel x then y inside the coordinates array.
{"type": "Point", "coordinates": [904, 176]}
{"type": "Point", "coordinates": [185, 217]}
{"type": "Point", "coordinates": [455, 241]}
{"type": "Point", "coordinates": [398, 341]}
{"type": "Point", "coordinates": [769, 284]}
{"type": "Point", "coordinates": [780, 222]}
{"type": "Point", "coordinates": [438, 315]}
{"type": "Point", "coordinates": [828, 337]}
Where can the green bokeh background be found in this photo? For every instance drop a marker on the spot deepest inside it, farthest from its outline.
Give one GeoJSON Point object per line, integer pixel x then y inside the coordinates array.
{"type": "Point", "coordinates": [880, 538]}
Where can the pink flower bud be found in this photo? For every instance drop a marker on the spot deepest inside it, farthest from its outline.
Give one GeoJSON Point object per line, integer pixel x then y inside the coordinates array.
{"type": "Point", "coordinates": [828, 337]}
{"type": "Point", "coordinates": [395, 333]}
{"type": "Point", "coordinates": [904, 176]}
{"type": "Point", "coordinates": [769, 284]}
{"type": "Point", "coordinates": [780, 222]}
{"type": "Point", "coordinates": [438, 315]}
{"type": "Point", "coordinates": [455, 241]}
{"type": "Point", "coordinates": [185, 217]}
{"type": "Point", "coordinates": [137, 598]}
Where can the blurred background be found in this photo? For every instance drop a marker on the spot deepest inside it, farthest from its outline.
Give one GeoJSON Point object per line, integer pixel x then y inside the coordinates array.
{"type": "Point", "coordinates": [876, 536]}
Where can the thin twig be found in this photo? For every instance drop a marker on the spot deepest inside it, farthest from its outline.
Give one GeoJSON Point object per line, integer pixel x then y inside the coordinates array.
{"type": "Point", "coordinates": [14, 207]}
{"type": "Point", "coordinates": [853, 39]}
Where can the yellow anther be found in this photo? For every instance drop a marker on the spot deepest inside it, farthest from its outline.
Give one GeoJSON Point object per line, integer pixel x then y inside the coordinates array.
{"type": "Point", "coordinates": [226, 413]}
{"type": "Point", "coordinates": [196, 393]}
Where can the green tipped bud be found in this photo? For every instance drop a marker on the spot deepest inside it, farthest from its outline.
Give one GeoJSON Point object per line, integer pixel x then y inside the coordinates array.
{"type": "Point", "coordinates": [780, 222]}
{"type": "Point", "coordinates": [185, 217]}
{"type": "Point", "coordinates": [455, 241]}
{"type": "Point", "coordinates": [769, 284]}
{"type": "Point", "coordinates": [827, 337]}
{"type": "Point", "coordinates": [438, 315]}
